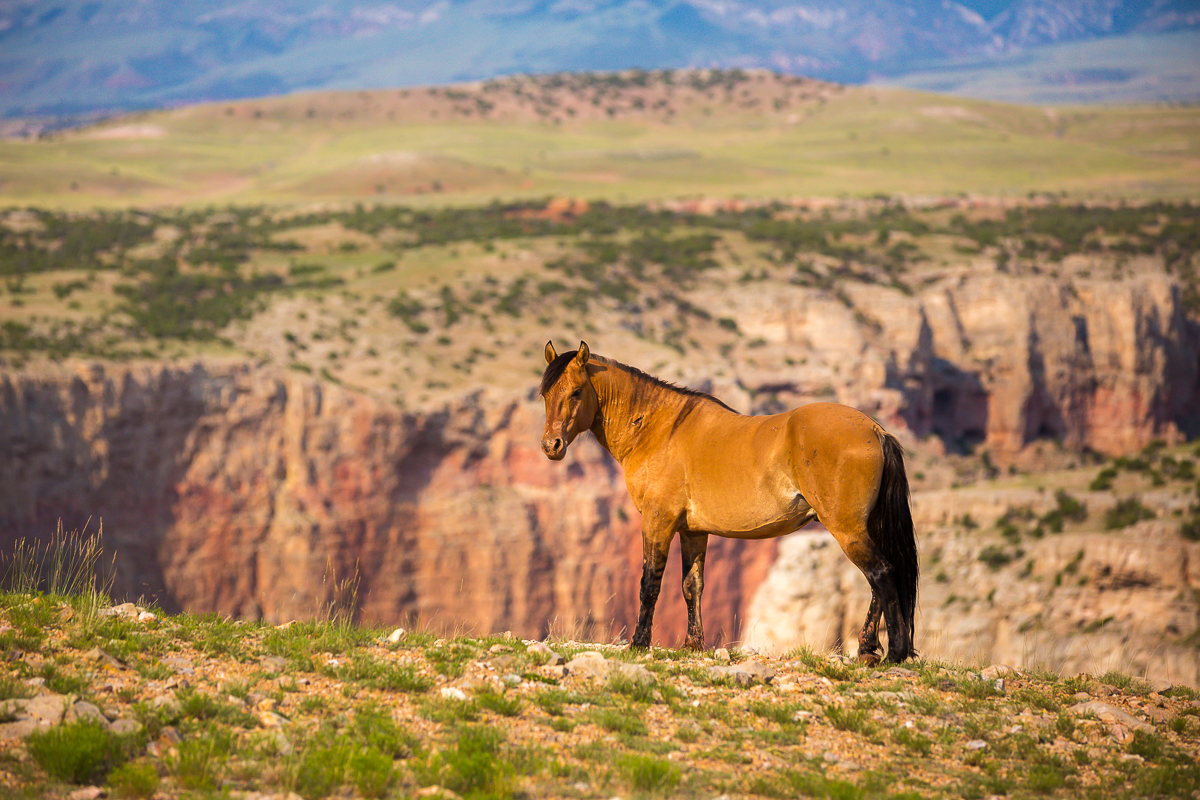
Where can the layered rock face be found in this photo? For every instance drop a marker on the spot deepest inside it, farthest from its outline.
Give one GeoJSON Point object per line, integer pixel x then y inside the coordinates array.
{"type": "Point", "coordinates": [995, 359]}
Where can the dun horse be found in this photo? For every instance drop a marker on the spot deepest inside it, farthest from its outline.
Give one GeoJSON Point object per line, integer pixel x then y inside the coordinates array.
{"type": "Point", "coordinates": [695, 467]}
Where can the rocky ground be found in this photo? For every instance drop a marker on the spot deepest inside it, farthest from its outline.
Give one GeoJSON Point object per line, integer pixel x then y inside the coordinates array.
{"type": "Point", "coordinates": [127, 701]}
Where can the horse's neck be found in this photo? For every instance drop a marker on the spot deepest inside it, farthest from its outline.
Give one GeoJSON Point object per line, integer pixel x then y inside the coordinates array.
{"type": "Point", "coordinates": [623, 398]}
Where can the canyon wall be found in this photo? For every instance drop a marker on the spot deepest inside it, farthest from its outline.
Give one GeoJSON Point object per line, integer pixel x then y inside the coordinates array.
{"type": "Point", "coordinates": [251, 491]}
{"type": "Point", "coordinates": [992, 359]}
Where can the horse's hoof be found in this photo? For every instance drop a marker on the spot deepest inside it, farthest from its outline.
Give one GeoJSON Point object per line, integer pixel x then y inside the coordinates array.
{"type": "Point", "coordinates": [869, 659]}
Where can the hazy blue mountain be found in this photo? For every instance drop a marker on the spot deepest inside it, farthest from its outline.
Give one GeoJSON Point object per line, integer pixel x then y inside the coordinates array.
{"type": "Point", "coordinates": [78, 56]}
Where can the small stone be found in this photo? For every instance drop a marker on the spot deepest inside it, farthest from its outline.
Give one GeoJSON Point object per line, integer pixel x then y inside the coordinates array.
{"type": "Point", "coordinates": [1082, 696]}
{"type": "Point", "coordinates": [270, 719]}
{"type": "Point", "coordinates": [436, 791]}
{"type": "Point", "coordinates": [50, 708]}
{"type": "Point", "coordinates": [21, 728]}
{"type": "Point", "coordinates": [541, 648]}
{"type": "Point", "coordinates": [512, 679]}
{"type": "Point", "coordinates": [1113, 716]}
{"type": "Point", "coordinates": [85, 711]}
{"type": "Point", "coordinates": [745, 673]}
{"type": "Point", "coordinates": [123, 610]}
{"type": "Point", "coordinates": [86, 793]}
{"type": "Point", "coordinates": [146, 618]}
{"type": "Point", "coordinates": [167, 702]}
{"type": "Point", "coordinates": [182, 666]}
{"type": "Point", "coordinates": [395, 636]}
{"type": "Point", "coordinates": [977, 744]}
{"type": "Point", "coordinates": [589, 664]}
{"type": "Point", "coordinates": [170, 735]}
{"type": "Point", "coordinates": [106, 660]}
{"type": "Point", "coordinates": [123, 725]}
{"type": "Point", "coordinates": [722, 654]}
{"type": "Point", "coordinates": [273, 664]}
{"type": "Point", "coordinates": [633, 672]}
{"type": "Point", "coordinates": [900, 672]}
{"type": "Point", "coordinates": [999, 685]}
{"type": "Point", "coordinates": [995, 671]}
{"type": "Point", "coordinates": [283, 745]}
{"type": "Point", "coordinates": [453, 693]}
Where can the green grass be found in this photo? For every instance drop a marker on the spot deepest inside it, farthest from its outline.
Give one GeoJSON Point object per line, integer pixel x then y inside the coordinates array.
{"type": "Point", "coordinates": [134, 780]}
{"type": "Point", "coordinates": [858, 141]}
{"type": "Point", "coordinates": [474, 766]}
{"type": "Point", "coordinates": [79, 752]}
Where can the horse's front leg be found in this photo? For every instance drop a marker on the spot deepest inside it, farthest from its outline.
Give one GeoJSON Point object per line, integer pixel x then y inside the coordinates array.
{"type": "Point", "coordinates": [693, 546]}
{"type": "Point", "coordinates": [656, 543]}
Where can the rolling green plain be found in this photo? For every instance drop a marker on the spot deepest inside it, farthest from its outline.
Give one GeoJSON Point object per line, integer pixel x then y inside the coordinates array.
{"type": "Point", "coordinates": [614, 138]}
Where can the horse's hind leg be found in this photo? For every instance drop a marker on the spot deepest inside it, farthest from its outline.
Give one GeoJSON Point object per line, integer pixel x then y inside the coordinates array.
{"type": "Point", "coordinates": [693, 546]}
{"type": "Point", "coordinates": [868, 637]}
{"type": "Point", "coordinates": [885, 600]}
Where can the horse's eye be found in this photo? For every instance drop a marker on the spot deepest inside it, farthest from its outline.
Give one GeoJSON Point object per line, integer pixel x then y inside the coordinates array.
{"type": "Point", "coordinates": [575, 394]}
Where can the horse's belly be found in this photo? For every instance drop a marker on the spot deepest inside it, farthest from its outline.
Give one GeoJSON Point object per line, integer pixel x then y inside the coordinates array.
{"type": "Point", "coordinates": [750, 517]}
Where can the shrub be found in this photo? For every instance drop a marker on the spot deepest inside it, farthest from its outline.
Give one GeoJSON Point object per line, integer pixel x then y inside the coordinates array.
{"type": "Point", "coordinates": [649, 774]}
{"type": "Point", "coordinates": [1126, 512]}
{"type": "Point", "coordinates": [79, 752]}
{"type": "Point", "coordinates": [134, 780]}
{"type": "Point", "coordinates": [472, 766]}
{"type": "Point", "coordinates": [996, 556]}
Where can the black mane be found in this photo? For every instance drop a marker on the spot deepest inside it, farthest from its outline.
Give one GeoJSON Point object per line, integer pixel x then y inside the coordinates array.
{"type": "Point", "coordinates": [558, 366]}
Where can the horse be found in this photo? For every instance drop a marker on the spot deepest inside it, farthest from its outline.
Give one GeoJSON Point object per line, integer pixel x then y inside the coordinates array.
{"type": "Point", "coordinates": [696, 467]}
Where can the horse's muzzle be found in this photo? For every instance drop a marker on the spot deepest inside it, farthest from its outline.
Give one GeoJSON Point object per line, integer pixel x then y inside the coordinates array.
{"type": "Point", "coordinates": [554, 448]}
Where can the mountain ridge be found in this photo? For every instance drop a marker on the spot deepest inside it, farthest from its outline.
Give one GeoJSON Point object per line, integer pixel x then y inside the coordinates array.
{"type": "Point", "coordinates": [82, 56]}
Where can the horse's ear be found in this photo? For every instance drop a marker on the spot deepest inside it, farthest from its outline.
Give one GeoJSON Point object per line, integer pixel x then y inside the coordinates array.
{"type": "Point", "coordinates": [550, 354]}
{"type": "Point", "coordinates": [583, 354]}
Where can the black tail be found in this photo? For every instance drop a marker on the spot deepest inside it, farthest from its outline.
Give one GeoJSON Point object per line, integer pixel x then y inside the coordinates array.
{"type": "Point", "coordinates": [890, 527]}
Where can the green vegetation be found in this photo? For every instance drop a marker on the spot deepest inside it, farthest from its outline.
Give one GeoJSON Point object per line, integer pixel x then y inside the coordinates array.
{"type": "Point", "coordinates": [1127, 511]}
{"type": "Point", "coordinates": [667, 134]}
{"type": "Point", "coordinates": [122, 284]}
{"type": "Point", "coordinates": [78, 752]}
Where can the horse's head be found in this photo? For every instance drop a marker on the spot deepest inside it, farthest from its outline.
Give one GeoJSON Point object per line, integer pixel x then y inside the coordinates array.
{"type": "Point", "coordinates": [571, 401]}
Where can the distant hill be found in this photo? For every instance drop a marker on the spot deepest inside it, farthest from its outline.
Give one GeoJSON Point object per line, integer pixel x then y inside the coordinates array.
{"type": "Point", "coordinates": [79, 57]}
